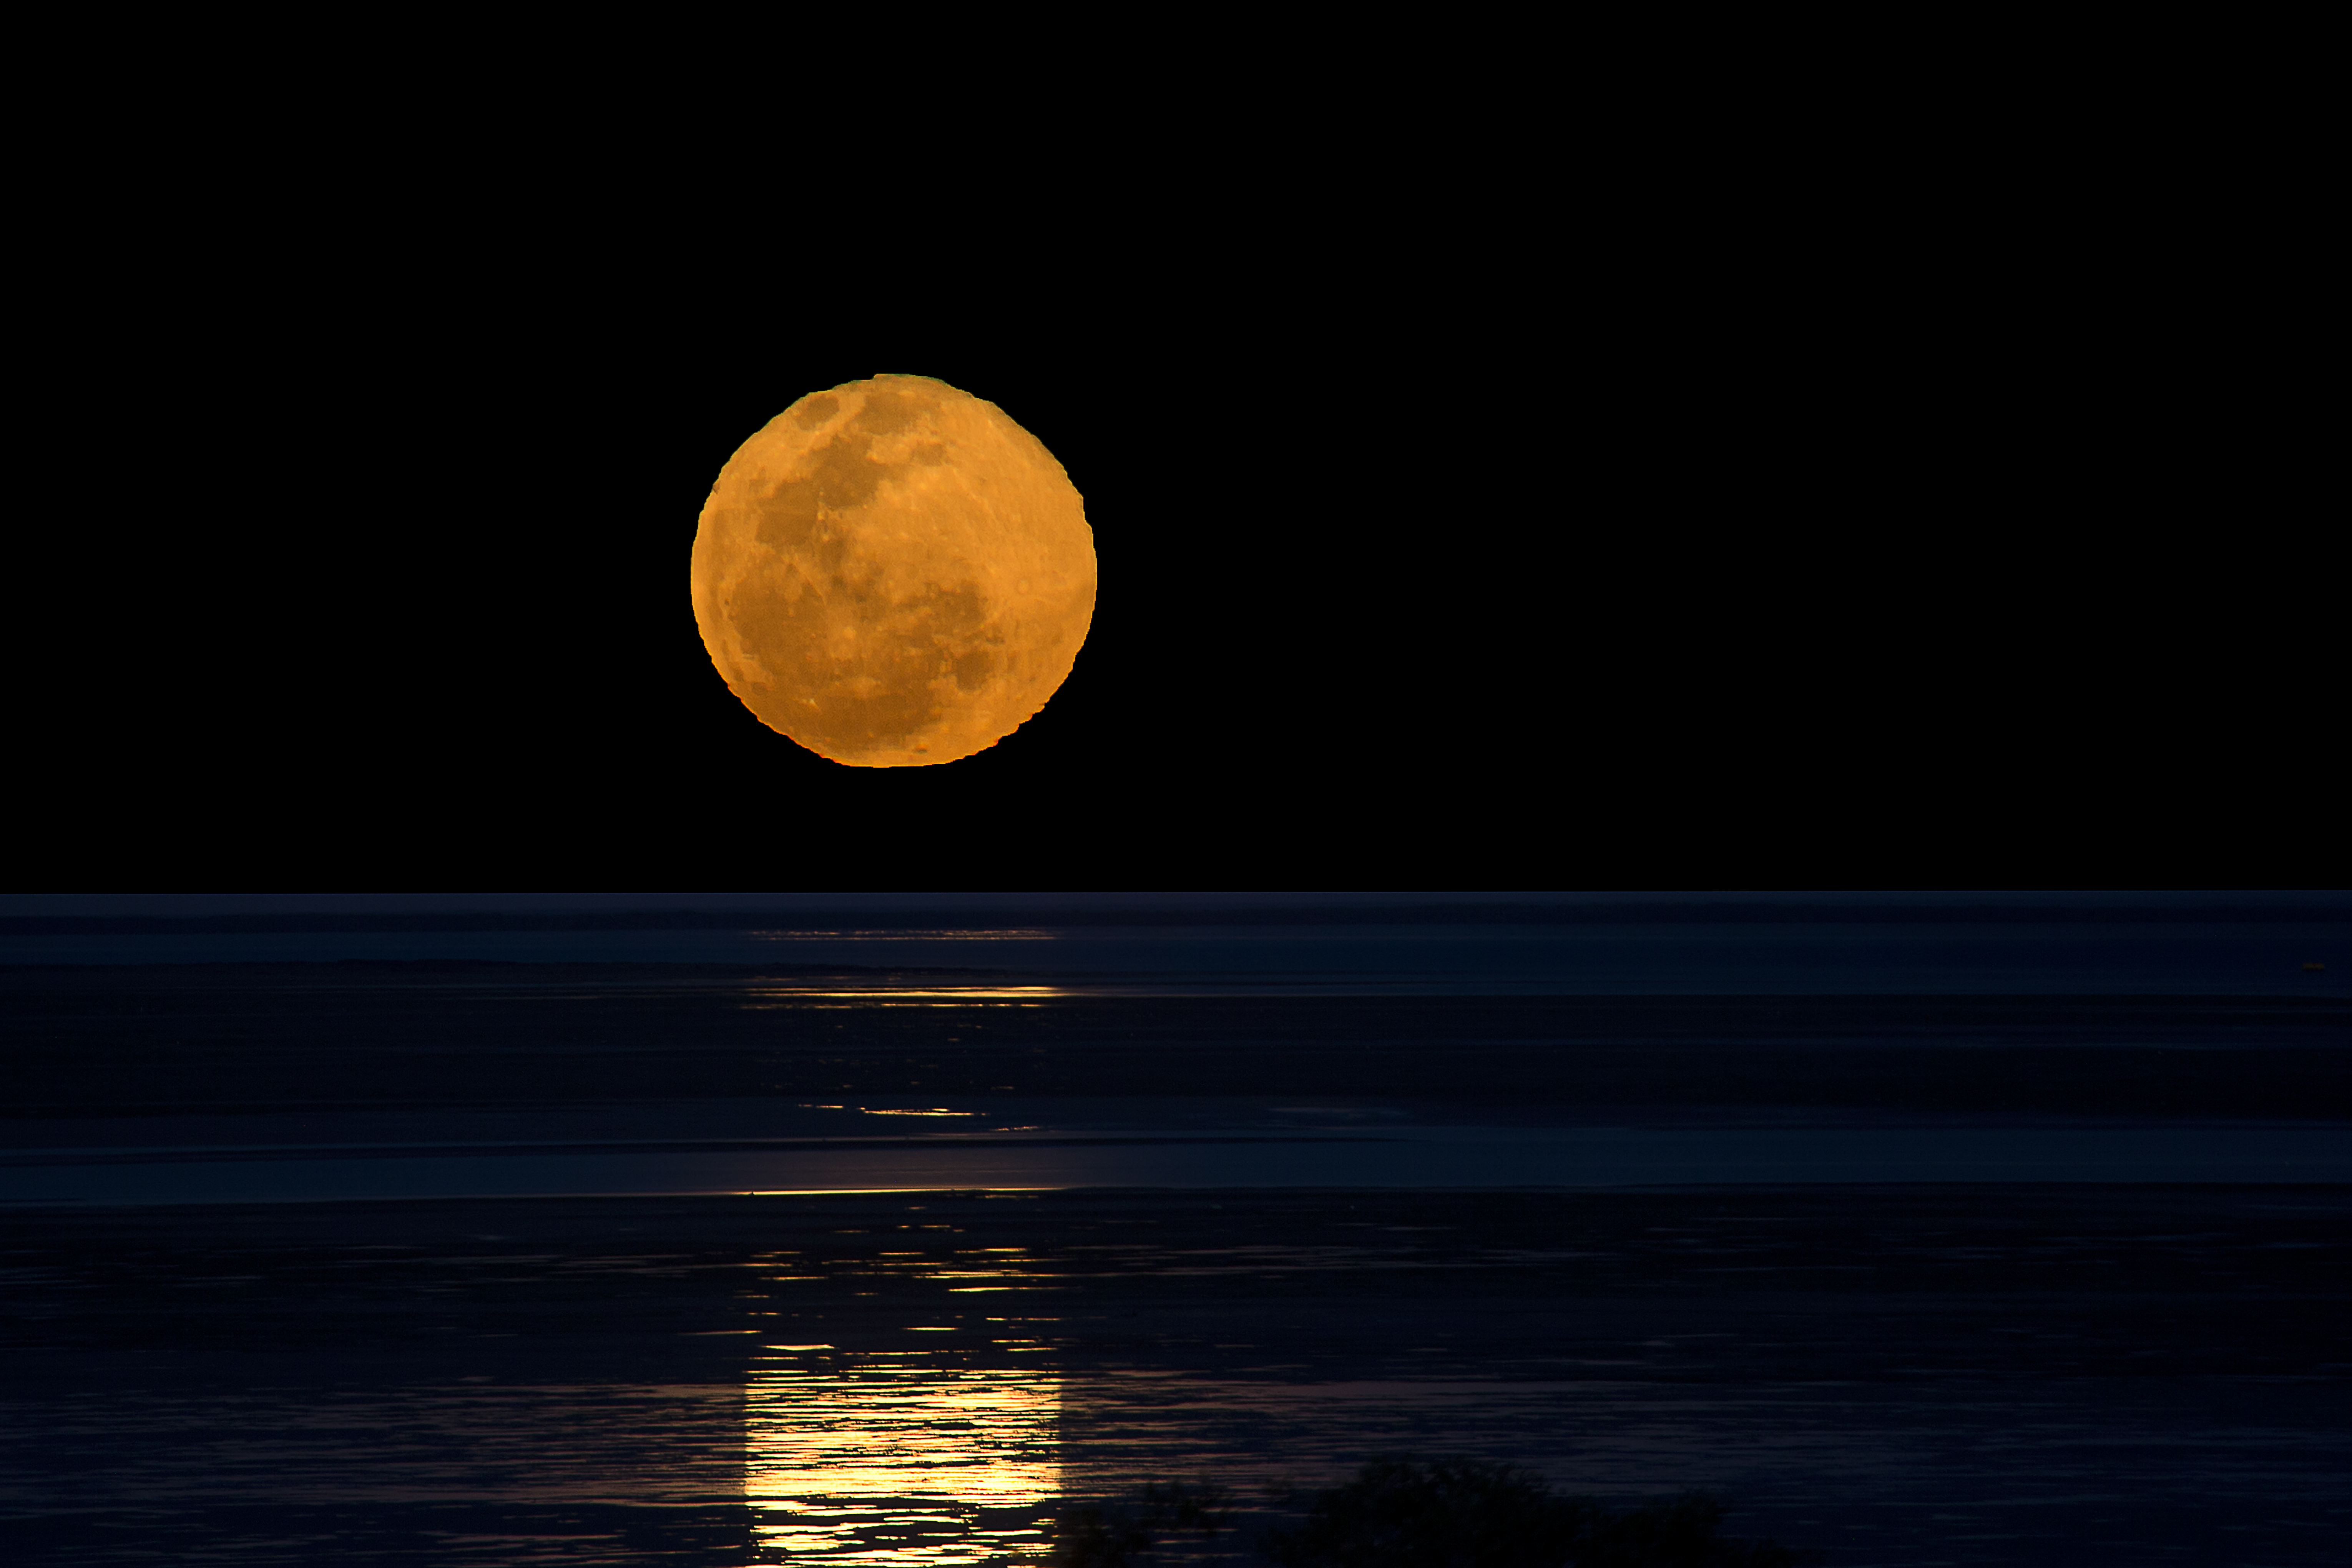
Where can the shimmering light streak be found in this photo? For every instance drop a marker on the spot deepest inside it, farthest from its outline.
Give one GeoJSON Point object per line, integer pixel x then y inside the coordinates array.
{"type": "Point", "coordinates": [768, 997]}
{"type": "Point", "coordinates": [1008, 935]}
{"type": "Point", "coordinates": [907, 1461]}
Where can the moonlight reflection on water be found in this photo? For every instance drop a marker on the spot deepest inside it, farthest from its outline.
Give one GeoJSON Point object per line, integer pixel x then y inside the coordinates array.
{"type": "Point", "coordinates": [898, 1458]}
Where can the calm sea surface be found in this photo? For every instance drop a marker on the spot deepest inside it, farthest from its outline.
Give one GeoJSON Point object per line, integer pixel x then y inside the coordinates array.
{"type": "Point", "coordinates": [1800, 956]}
{"type": "Point", "coordinates": [1922, 1242]}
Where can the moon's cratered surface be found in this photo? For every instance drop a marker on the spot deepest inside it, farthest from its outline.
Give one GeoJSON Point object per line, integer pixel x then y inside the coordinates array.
{"type": "Point", "coordinates": [892, 574]}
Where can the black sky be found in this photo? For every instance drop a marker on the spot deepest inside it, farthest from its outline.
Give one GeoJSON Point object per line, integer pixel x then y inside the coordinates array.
{"type": "Point", "coordinates": [1423, 588]}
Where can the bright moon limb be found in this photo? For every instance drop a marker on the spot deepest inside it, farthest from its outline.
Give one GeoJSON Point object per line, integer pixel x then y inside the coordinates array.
{"type": "Point", "coordinates": [892, 574]}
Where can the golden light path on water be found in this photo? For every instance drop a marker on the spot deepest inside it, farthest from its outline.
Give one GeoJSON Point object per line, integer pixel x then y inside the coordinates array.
{"type": "Point", "coordinates": [899, 1459]}
{"type": "Point", "coordinates": [1013, 933]}
{"type": "Point", "coordinates": [884, 995]}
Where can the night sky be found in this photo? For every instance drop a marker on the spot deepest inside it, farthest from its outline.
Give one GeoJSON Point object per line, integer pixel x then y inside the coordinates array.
{"type": "Point", "coordinates": [1434, 605]}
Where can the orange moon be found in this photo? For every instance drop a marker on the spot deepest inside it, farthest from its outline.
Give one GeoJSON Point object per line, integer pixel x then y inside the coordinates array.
{"type": "Point", "coordinates": [894, 574]}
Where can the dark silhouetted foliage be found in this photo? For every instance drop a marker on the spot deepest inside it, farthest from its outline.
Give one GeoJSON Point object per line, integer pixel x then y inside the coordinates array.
{"type": "Point", "coordinates": [1091, 1535]}
{"type": "Point", "coordinates": [1462, 1513]}
{"type": "Point", "coordinates": [1453, 1513]}
{"type": "Point", "coordinates": [1679, 1532]}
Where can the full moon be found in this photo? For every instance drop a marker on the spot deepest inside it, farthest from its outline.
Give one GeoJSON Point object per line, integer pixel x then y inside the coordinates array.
{"type": "Point", "coordinates": [892, 574]}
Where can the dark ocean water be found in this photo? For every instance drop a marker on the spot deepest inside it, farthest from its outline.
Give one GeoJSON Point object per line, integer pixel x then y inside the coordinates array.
{"type": "Point", "coordinates": [1798, 956]}
{"type": "Point", "coordinates": [1922, 1235]}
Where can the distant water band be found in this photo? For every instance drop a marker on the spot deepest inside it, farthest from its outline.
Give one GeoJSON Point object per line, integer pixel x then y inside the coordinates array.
{"type": "Point", "coordinates": [1455, 1157]}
